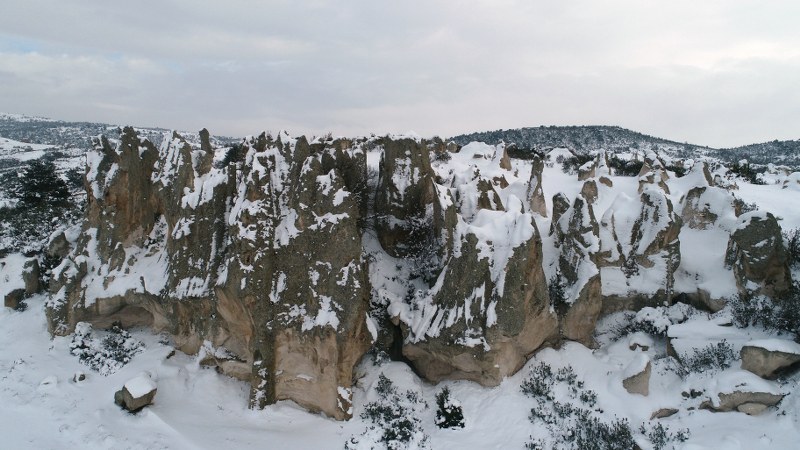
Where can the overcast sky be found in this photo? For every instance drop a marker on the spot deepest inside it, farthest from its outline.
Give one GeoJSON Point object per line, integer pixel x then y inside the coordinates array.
{"type": "Point", "coordinates": [710, 72]}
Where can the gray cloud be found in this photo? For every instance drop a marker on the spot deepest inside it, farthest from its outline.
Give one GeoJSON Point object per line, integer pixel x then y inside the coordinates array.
{"type": "Point", "coordinates": [715, 72]}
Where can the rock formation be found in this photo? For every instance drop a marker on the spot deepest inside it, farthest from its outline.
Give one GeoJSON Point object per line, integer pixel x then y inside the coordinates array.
{"type": "Point", "coordinates": [639, 251]}
{"type": "Point", "coordinates": [757, 255]}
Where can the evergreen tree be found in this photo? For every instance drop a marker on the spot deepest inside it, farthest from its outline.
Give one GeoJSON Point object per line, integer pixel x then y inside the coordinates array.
{"type": "Point", "coordinates": [40, 185]}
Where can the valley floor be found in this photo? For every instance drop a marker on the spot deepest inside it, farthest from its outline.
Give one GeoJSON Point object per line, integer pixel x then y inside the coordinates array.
{"type": "Point", "coordinates": [197, 408]}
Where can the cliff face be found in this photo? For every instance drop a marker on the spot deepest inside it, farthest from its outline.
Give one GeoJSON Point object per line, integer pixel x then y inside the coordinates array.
{"type": "Point", "coordinates": [297, 257]}
{"type": "Point", "coordinates": [262, 256]}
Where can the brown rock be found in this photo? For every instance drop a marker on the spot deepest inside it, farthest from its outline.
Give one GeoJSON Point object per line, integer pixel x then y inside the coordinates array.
{"type": "Point", "coordinates": [663, 413]}
{"type": "Point", "coordinates": [766, 363]}
{"type": "Point", "coordinates": [639, 383]}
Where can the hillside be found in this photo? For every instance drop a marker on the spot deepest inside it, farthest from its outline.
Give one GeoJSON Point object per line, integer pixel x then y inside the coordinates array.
{"type": "Point", "coordinates": [583, 139]}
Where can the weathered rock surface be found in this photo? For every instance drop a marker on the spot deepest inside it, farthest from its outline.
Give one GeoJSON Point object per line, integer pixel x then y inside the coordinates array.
{"type": "Point", "coordinates": [487, 309]}
{"type": "Point", "coordinates": [137, 393]}
{"type": "Point", "coordinates": [535, 193]}
{"type": "Point", "coordinates": [637, 376]}
{"type": "Point", "coordinates": [757, 255]}
{"type": "Point", "coordinates": [236, 255]}
{"type": "Point", "coordinates": [577, 238]}
{"type": "Point", "coordinates": [15, 299]}
{"type": "Point", "coordinates": [639, 251]}
{"type": "Point", "coordinates": [766, 360]}
{"type": "Point", "coordinates": [749, 402]}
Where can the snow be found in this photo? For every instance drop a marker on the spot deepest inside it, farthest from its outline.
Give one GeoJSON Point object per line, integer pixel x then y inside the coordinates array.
{"type": "Point", "coordinates": [776, 345]}
{"type": "Point", "coordinates": [637, 365]}
{"type": "Point", "coordinates": [11, 268]}
{"type": "Point", "coordinates": [140, 385]}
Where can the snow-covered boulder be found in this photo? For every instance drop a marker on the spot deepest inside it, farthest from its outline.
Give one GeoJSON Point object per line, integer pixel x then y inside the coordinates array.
{"type": "Point", "coordinates": [636, 377]}
{"type": "Point", "coordinates": [137, 393]}
{"type": "Point", "coordinates": [741, 391]}
{"type": "Point", "coordinates": [705, 206]}
{"type": "Point", "coordinates": [757, 255]}
{"type": "Point", "coordinates": [766, 358]}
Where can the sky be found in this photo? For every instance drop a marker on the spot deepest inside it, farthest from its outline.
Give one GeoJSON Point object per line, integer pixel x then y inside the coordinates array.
{"type": "Point", "coordinates": [712, 72]}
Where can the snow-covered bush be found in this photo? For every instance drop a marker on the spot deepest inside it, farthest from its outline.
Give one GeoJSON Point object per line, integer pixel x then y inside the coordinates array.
{"type": "Point", "coordinates": [107, 352]}
{"type": "Point", "coordinates": [625, 168]}
{"type": "Point", "coordinates": [717, 356]}
{"type": "Point", "coordinates": [539, 383]}
{"type": "Point", "coordinates": [395, 424]}
{"type": "Point", "coordinates": [449, 413]}
{"type": "Point", "coordinates": [653, 321]}
{"type": "Point", "coordinates": [660, 436]}
{"type": "Point", "coordinates": [780, 315]}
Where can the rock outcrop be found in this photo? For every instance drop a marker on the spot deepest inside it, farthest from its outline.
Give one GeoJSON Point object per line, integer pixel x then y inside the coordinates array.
{"type": "Point", "coordinates": [757, 255]}
{"type": "Point", "coordinates": [768, 358]}
{"type": "Point", "coordinates": [235, 255]}
{"type": "Point", "coordinates": [577, 238]}
{"type": "Point", "coordinates": [487, 308]}
{"type": "Point", "coordinates": [536, 199]}
{"type": "Point", "coordinates": [639, 251]}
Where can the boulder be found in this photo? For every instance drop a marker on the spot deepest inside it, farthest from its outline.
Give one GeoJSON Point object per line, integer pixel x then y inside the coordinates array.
{"type": "Point", "coordinates": [636, 377]}
{"type": "Point", "coordinates": [757, 255]}
{"type": "Point", "coordinates": [749, 402]}
{"type": "Point", "coordinates": [768, 358]}
{"type": "Point", "coordinates": [137, 393]}
{"type": "Point", "coordinates": [663, 413]}
{"type": "Point", "coordinates": [15, 299]}
{"type": "Point", "coordinates": [31, 276]}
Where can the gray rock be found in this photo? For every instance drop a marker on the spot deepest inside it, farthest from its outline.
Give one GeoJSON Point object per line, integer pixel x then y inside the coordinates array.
{"type": "Point", "coordinates": [15, 299]}
{"type": "Point", "coordinates": [31, 276]}
{"type": "Point", "coordinates": [757, 255]}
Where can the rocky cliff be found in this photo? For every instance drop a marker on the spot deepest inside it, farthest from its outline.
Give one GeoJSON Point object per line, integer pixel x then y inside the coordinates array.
{"type": "Point", "coordinates": [290, 259]}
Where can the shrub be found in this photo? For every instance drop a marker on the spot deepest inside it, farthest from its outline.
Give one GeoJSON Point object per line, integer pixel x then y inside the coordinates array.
{"type": "Point", "coordinates": [660, 436]}
{"type": "Point", "coordinates": [625, 168]}
{"type": "Point", "coordinates": [539, 383]}
{"type": "Point", "coordinates": [449, 413]}
{"type": "Point", "coordinates": [572, 164]}
{"type": "Point", "coordinates": [780, 314]}
{"type": "Point", "coordinates": [105, 354]}
{"type": "Point", "coordinates": [395, 424]}
{"type": "Point", "coordinates": [652, 321]}
{"type": "Point", "coordinates": [717, 356]}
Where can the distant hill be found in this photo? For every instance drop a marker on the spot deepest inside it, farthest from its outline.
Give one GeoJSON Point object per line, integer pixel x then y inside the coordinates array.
{"type": "Point", "coordinates": [584, 139]}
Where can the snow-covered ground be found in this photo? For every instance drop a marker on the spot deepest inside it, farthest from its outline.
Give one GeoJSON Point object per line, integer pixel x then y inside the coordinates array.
{"type": "Point", "coordinates": [196, 407]}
